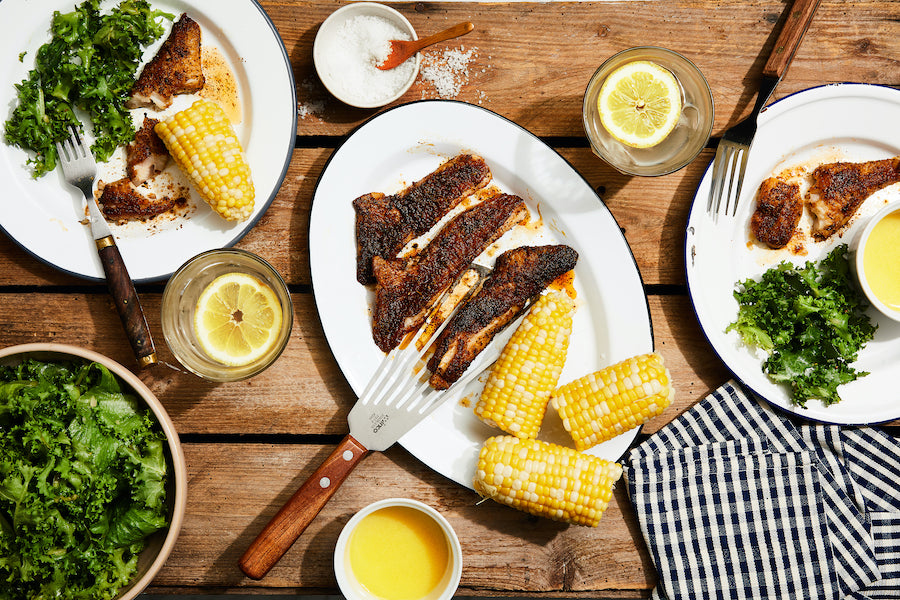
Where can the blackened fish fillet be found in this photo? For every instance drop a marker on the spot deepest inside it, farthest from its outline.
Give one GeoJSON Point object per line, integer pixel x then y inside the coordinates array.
{"type": "Point", "coordinates": [519, 275]}
{"type": "Point", "coordinates": [840, 188]}
{"type": "Point", "coordinates": [778, 211]}
{"type": "Point", "coordinates": [408, 287]}
{"type": "Point", "coordinates": [385, 223]}
{"type": "Point", "coordinates": [176, 69]}
{"type": "Point", "coordinates": [146, 155]}
{"type": "Point", "coordinates": [120, 201]}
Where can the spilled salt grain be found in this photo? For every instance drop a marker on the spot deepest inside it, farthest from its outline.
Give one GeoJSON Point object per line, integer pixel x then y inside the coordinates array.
{"type": "Point", "coordinates": [310, 108]}
{"type": "Point", "coordinates": [351, 54]}
{"type": "Point", "coordinates": [447, 71]}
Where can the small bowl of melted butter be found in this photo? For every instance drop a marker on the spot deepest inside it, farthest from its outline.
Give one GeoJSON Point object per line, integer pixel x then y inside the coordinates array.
{"type": "Point", "coordinates": [876, 256]}
{"type": "Point", "coordinates": [398, 549]}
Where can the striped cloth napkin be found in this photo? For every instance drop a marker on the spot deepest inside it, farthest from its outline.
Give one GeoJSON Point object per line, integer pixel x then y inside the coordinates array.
{"type": "Point", "coordinates": [736, 500]}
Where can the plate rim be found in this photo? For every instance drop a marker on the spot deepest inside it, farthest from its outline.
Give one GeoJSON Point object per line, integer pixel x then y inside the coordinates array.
{"type": "Point", "coordinates": [696, 201]}
{"type": "Point", "coordinates": [264, 206]}
{"type": "Point", "coordinates": [535, 138]}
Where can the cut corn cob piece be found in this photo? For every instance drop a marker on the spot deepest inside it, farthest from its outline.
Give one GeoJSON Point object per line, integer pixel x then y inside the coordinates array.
{"type": "Point", "coordinates": [600, 406]}
{"type": "Point", "coordinates": [518, 388]}
{"type": "Point", "coordinates": [546, 479]}
{"type": "Point", "coordinates": [205, 147]}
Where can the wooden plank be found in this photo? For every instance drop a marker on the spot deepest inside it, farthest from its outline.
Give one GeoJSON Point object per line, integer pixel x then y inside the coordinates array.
{"type": "Point", "coordinates": [304, 392]}
{"type": "Point", "coordinates": [651, 211]}
{"type": "Point", "coordinates": [532, 61]}
{"type": "Point", "coordinates": [235, 488]}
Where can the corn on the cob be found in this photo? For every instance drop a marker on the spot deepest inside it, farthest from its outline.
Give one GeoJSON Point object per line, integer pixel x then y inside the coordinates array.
{"type": "Point", "coordinates": [546, 479]}
{"type": "Point", "coordinates": [520, 383]}
{"type": "Point", "coordinates": [205, 147]}
{"type": "Point", "coordinates": [600, 406]}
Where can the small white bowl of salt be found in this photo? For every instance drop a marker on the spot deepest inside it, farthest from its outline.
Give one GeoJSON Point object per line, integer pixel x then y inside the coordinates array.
{"type": "Point", "coordinates": [348, 45]}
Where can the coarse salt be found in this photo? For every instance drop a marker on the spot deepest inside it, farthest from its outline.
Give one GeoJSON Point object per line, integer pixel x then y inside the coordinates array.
{"type": "Point", "coordinates": [447, 71]}
{"type": "Point", "coordinates": [309, 108]}
{"type": "Point", "coordinates": [351, 54]}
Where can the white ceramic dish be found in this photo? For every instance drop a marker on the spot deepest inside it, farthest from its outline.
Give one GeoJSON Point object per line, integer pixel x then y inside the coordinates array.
{"type": "Point", "coordinates": [160, 544]}
{"type": "Point", "coordinates": [612, 321]}
{"type": "Point", "coordinates": [44, 216]}
{"type": "Point", "coordinates": [331, 75]}
{"type": "Point", "coordinates": [823, 124]}
{"type": "Point", "coordinates": [351, 588]}
{"type": "Point", "coordinates": [857, 253]}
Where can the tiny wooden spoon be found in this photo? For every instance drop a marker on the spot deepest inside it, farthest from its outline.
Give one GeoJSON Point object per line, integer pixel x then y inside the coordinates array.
{"type": "Point", "coordinates": [403, 49]}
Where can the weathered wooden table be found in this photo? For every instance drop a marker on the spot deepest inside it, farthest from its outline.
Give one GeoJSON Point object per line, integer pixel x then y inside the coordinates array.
{"type": "Point", "coordinates": [249, 445]}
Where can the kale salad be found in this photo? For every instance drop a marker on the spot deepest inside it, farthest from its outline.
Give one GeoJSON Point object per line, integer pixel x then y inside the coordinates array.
{"type": "Point", "coordinates": [82, 481]}
{"type": "Point", "coordinates": [88, 65]}
{"type": "Point", "coordinates": [811, 322]}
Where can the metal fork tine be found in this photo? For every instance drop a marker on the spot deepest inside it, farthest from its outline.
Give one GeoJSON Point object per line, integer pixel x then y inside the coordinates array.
{"type": "Point", "coordinates": [63, 152]}
{"type": "Point", "coordinates": [401, 360]}
{"type": "Point", "coordinates": [75, 139]}
{"type": "Point", "coordinates": [726, 194]}
{"type": "Point", "coordinates": [419, 395]}
{"type": "Point", "coordinates": [394, 363]}
{"type": "Point", "coordinates": [740, 179]}
{"type": "Point", "coordinates": [715, 187]}
{"type": "Point", "coordinates": [734, 181]}
{"type": "Point", "coordinates": [409, 355]}
{"type": "Point", "coordinates": [723, 175]}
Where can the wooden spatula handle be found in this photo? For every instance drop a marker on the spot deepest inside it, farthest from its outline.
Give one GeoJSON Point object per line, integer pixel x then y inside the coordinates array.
{"type": "Point", "coordinates": [293, 518]}
{"type": "Point", "coordinates": [799, 17]}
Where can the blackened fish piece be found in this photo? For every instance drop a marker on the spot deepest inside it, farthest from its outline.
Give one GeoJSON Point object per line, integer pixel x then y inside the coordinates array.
{"type": "Point", "coordinates": [408, 287]}
{"type": "Point", "coordinates": [778, 211]}
{"type": "Point", "coordinates": [386, 223]}
{"type": "Point", "coordinates": [519, 275]}
{"type": "Point", "coordinates": [120, 201]}
{"type": "Point", "coordinates": [176, 69]}
{"type": "Point", "coordinates": [840, 188]}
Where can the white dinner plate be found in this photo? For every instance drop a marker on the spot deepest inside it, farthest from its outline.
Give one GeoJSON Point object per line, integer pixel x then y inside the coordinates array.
{"type": "Point", "coordinates": [402, 145]}
{"type": "Point", "coordinates": [45, 216]}
{"type": "Point", "coordinates": [852, 122]}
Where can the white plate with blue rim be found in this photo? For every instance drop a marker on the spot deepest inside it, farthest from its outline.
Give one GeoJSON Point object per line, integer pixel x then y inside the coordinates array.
{"type": "Point", "coordinates": [838, 122]}
{"type": "Point", "coordinates": [45, 216]}
{"type": "Point", "coordinates": [405, 143]}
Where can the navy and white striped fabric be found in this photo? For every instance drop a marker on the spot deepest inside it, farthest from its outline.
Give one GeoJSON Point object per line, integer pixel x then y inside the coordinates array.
{"type": "Point", "coordinates": [737, 500]}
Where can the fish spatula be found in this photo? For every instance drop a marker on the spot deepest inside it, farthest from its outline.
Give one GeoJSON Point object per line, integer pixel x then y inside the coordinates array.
{"type": "Point", "coordinates": [396, 399]}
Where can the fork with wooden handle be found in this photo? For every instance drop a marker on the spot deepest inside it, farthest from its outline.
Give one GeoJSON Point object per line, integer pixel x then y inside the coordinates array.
{"type": "Point", "coordinates": [730, 162]}
{"type": "Point", "coordinates": [79, 170]}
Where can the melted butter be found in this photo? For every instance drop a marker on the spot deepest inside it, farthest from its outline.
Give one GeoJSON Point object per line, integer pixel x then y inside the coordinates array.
{"type": "Point", "coordinates": [399, 553]}
{"type": "Point", "coordinates": [881, 260]}
{"type": "Point", "coordinates": [221, 85]}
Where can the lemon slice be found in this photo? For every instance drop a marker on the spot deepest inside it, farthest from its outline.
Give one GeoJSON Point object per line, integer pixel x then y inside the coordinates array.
{"type": "Point", "coordinates": [640, 103]}
{"type": "Point", "coordinates": [237, 320]}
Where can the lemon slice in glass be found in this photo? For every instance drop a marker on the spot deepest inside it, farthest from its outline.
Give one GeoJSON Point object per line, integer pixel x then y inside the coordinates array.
{"type": "Point", "coordinates": [640, 103]}
{"type": "Point", "coordinates": [237, 320]}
